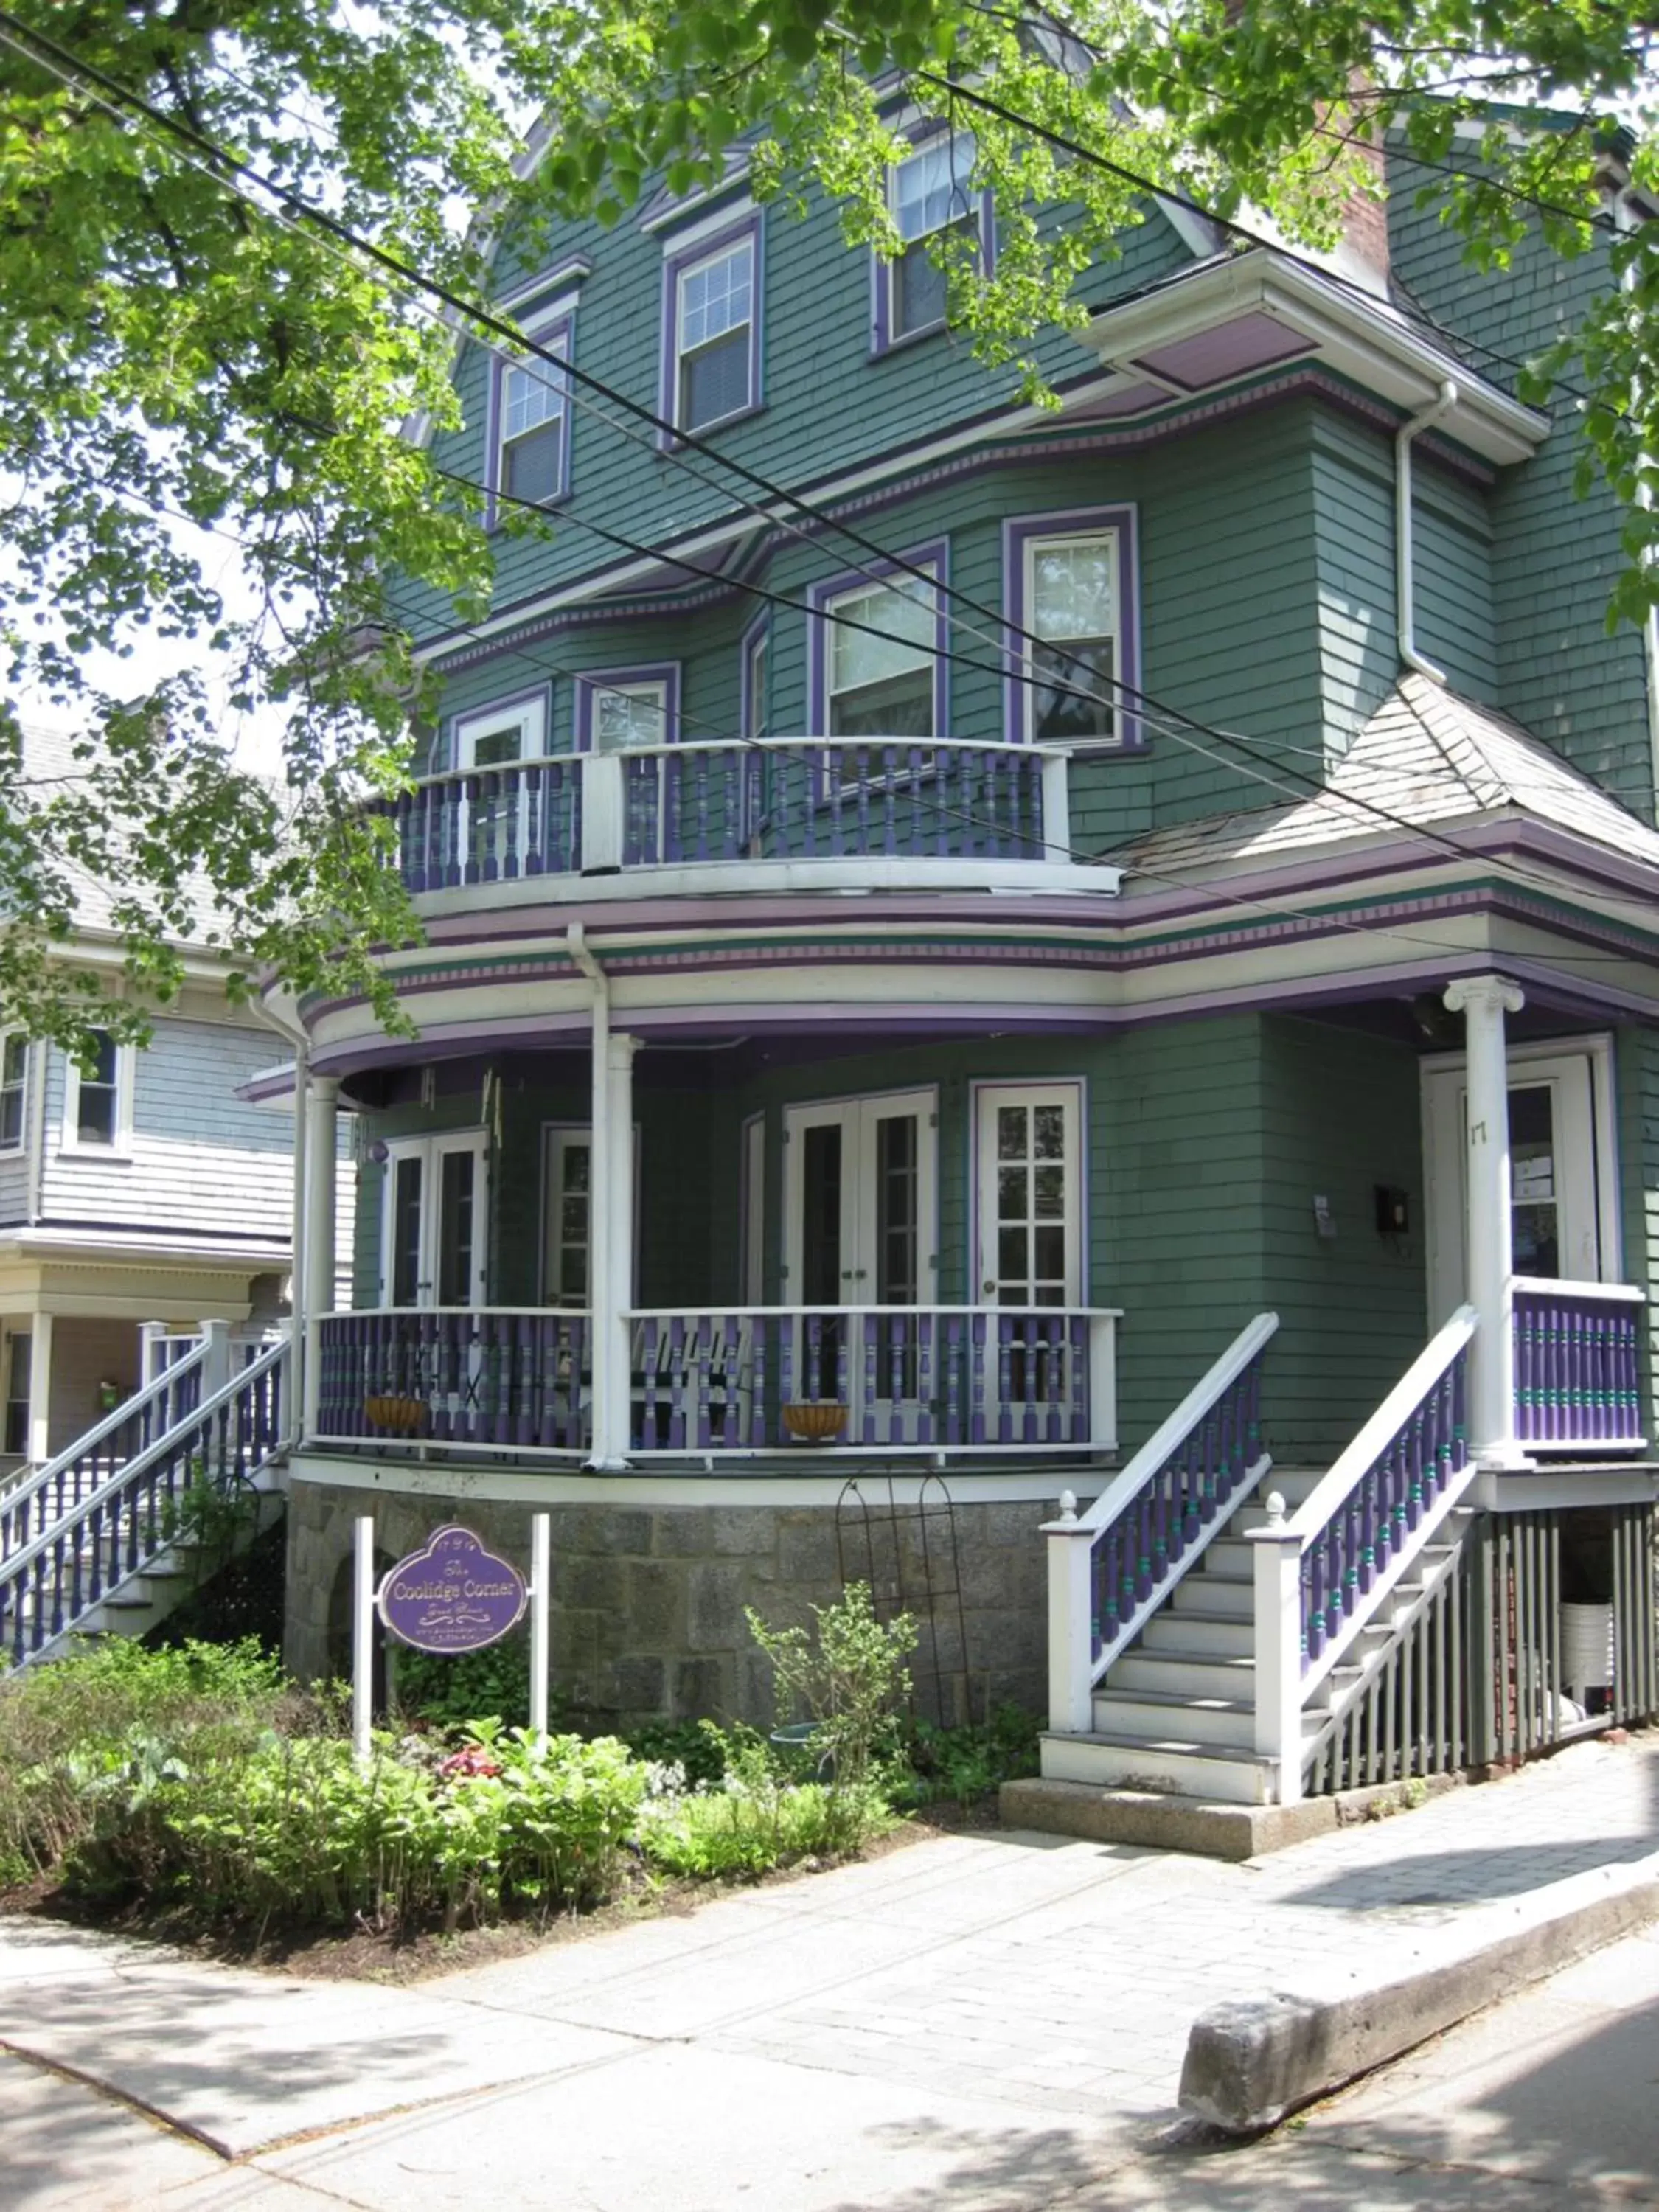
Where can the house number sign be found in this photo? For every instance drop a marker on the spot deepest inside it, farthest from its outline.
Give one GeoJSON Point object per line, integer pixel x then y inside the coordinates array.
{"type": "Point", "coordinates": [452, 1595]}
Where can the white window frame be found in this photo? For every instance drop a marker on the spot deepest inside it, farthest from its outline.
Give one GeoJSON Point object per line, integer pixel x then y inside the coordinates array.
{"type": "Point", "coordinates": [830, 632]}
{"type": "Point", "coordinates": [10, 1147]}
{"type": "Point", "coordinates": [555, 1136]}
{"type": "Point", "coordinates": [120, 1143]}
{"type": "Point", "coordinates": [527, 715]}
{"type": "Point", "coordinates": [887, 272]}
{"type": "Point", "coordinates": [432, 1151]}
{"type": "Point", "coordinates": [634, 690]}
{"type": "Point", "coordinates": [557, 334]}
{"type": "Point", "coordinates": [1112, 539]}
{"type": "Point", "coordinates": [1067, 1093]}
{"type": "Point", "coordinates": [747, 242]}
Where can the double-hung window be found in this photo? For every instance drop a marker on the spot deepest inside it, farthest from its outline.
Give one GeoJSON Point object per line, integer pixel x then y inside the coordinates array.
{"type": "Point", "coordinates": [714, 309]}
{"type": "Point", "coordinates": [95, 1109]}
{"type": "Point", "coordinates": [533, 462]}
{"type": "Point", "coordinates": [932, 204]}
{"type": "Point", "coordinates": [880, 658]}
{"type": "Point", "coordinates": [1071, 599]}
{"type": "Point", "coordinates": [14, 1090]}
{"type": "Point", "coordinates": [626, 713]}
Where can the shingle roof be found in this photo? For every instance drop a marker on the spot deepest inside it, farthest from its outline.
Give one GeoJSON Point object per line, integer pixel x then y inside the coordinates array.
{"type": "Point", "coordinates": [1427, 756]}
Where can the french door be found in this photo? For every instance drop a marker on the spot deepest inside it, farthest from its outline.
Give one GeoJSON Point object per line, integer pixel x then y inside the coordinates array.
{"type": "Point", "coordinates": [860, 1193]}
{"type": "Point", "coordinates": [432, 1239]}
{"type": "Point", "coordinates": [1561, 1221]}
{"type": "Point", "coordinates": [1030, 1213]}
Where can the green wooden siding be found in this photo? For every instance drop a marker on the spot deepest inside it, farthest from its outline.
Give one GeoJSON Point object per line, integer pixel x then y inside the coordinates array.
{"type": "Point", "coordinates": [1637, 1055]}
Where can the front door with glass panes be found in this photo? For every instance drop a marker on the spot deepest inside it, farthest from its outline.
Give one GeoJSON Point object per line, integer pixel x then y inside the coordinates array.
{"type": "Point", "coordinates": [433, 1226]}
{"type": "Point", "coordinates": [859, 1215]}
{"type": "Point", "coordinates": [1561, 1226]}
{"type": "Point", "coordinates": [568, 1218]}
{"type": "Point", "coordinates": [492, 815]}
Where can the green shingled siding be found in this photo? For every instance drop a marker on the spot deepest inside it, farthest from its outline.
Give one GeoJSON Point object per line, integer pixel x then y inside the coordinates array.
{"type": "Point", "coordinates": [1636, 1052]}
{"type": "Point", "coordinates": [1555, 556]}
{"type": "Point", "coordinates": [816, 371]}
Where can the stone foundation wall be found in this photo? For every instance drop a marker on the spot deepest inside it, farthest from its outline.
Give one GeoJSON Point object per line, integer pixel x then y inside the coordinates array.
{"type": "Point", "coordinates": [648, 1601]}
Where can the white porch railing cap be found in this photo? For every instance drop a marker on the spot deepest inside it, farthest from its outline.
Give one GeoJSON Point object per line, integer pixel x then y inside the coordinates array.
{"type": "Point", "coordinates": [1352, 1463]}
{"type": "Point", "coordinates": [691, 746]}
{"type": "Point", "coordinates": [1557, 1286]}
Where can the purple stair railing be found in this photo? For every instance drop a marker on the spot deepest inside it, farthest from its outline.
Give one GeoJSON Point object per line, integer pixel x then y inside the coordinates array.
{"type": "Point", "coordinates": [1577, 1365]}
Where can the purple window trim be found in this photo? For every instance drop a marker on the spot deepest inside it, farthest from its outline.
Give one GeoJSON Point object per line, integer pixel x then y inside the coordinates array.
{"type": "Point", "coordinates": [449, 740]}
{"type": "Point", "coordinates": [760, 627]}
{"type": "Point", "coordinates": [589, 680]}
{"type": "Point", "coordinates": [673, 268]}
{"type": "Point", "coordinates": [562, 324]}
{"type": "Point", "coordinates": [936, 554]}
{"type": "Point", "coordinates": [881, 340]}
{"type": "Point", "coordinates": [1018, 532]}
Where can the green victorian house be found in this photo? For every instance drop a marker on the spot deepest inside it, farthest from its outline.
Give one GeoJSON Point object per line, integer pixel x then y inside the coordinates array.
{"type": "Point", "coordinates": [1058, 1010]}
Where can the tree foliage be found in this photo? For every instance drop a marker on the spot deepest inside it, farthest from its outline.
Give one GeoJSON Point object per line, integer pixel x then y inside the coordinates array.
{"type": "Point", "coordinates": [172, 347]}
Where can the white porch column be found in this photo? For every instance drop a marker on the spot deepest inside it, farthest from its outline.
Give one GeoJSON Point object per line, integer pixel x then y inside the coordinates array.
{"type": "Point", "coordinates": [1071, 1591]}
{"type": "Point", "coordinates": [39, 1388]}
{"type": "Point", "coordinates": [611, 1233]}
{"type": "Point", "coordinates": [1276, 1571]}
{"type": "Point", "coordinates": [1483, 1002]}
{"type": "Point", "coordinates": [322, 1121]}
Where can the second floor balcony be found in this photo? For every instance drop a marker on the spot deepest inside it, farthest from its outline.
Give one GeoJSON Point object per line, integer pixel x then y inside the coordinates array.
{"type": "Point", "coordinates": [798, 812]}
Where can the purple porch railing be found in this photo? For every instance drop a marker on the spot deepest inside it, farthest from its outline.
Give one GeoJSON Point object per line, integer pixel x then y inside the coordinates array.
{"type": "Point", "coordinates": [1577, 1365]}
{"type": "Point", "coordinates": [489, 825]}
{"type": "Point", "coordinates": [500, 1377]}
{"type": "Point", "coordinates": [902, 1379]}
{"type": "Point", "coordinates": [814, 798]}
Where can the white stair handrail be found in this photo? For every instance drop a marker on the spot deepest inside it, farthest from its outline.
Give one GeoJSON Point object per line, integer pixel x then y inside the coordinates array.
{"type": "Point", "coordinates": [1173, 1430]}
{"type": "Point", "coordinates": [1356, 1461]}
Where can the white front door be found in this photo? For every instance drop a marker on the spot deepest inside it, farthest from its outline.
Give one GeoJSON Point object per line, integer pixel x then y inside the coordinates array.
{"type": "Point", "coordinates": [1563, 1221]}
{"type": "Point", "coordinates": [1031, 1199]}
{"type": "Point", "coordinates": [860, 1179]}
{"type": "Point", "coordinates": [432, 1237]}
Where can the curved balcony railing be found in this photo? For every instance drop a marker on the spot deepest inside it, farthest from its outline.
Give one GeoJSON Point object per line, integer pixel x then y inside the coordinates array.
{"type": "Point", "coordinates": [773, 798]}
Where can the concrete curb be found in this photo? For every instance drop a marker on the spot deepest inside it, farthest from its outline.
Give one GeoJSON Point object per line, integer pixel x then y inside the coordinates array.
{"type": "Point", "coordinates": [1159, 1821]}
{"type": "Point", "coordinates": [1252, 2060]}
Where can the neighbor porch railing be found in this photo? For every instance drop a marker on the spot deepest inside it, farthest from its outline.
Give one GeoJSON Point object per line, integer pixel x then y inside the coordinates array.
{"type": "Point", "coordinates": [772, 798]}
{"type": "Point", "coordinates": [1577, 1365]}
{"type": "Point", "coordinates": [1111, 1567]}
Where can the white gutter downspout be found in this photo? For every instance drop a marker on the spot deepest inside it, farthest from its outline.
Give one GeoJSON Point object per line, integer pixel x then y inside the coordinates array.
{"type": "Point", "coordinates": [607, 1275]}
{"type": "Point", "coordinates": [1403, 586]}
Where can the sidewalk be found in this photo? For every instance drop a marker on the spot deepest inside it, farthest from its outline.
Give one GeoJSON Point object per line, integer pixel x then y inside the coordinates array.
{"type": "Point", "coordinates": [986, 2020]}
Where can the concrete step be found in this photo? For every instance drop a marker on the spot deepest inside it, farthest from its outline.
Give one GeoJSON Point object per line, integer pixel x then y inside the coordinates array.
{"type": "Point", "coordinates": [1183, 1674]}
{"type": "Point", "coordinates": [1191, 1632]}
{"type": "Point", "coordinates": [1176, 1766]}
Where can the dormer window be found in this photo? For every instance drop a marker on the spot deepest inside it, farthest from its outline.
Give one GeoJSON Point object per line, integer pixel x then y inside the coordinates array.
{"type": "Point", "coordinates": [712, 353]}
{"type": "Point", "coordinates": [931, 199]}
{"type": "Point", "coordinates": [533, 415]}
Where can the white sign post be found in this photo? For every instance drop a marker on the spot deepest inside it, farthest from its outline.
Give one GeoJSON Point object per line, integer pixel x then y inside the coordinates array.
{"type": "Point", "coordinates": [362, 1638]}
{"type": "Point", "coordinates": [541, 1556]}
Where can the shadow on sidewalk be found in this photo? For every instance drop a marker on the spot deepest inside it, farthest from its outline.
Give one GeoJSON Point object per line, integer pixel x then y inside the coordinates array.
{"type": "Point", "coordinates": [1467, 1877]}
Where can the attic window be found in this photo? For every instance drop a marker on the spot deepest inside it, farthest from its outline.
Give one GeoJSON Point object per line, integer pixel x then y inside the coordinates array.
{"type": "Point", "coordinates": [931, 200]}
{"type": "Point", "coordinates": [711, 348]}
{"type": "Point", "coordinates": [533, 414]}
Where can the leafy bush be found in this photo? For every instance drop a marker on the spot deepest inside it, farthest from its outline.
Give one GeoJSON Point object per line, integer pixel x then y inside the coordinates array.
{"type": "Point", "coordinates": [850, 1680]}
{"type": "Point", "coordinates": [758, 1818]}
{"type": "Point", "coordinates": [696, 1747]}
{"type": "Point", "coordinates": [965, 1763]}
{"type": "Point", "coordinates": [492, 1683]}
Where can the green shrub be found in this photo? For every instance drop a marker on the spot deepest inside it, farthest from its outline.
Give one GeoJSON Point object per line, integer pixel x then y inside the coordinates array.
{"type": "Point", "coordinates": [696, 1747]}
{"type": "Point", "coordinates": [758, 1818]}
{"type": "Point", "coordinates": [965, 1763]}
{"type": "Point", "coordinates": [492, 1683]}
{"type": "Point", "coordinates": [850, 1680]}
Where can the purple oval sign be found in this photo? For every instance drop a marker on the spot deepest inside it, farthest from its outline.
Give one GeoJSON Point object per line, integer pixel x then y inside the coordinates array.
{"type": "Point", "coordinates": [451, 1596]}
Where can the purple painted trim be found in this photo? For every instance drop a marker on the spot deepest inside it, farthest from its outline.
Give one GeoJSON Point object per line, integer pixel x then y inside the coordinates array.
{"type": "Point", "coordinates": [449, 728]}
{"type": "Point", "coordinates": [936, 554]}
{"type": "Point", "coordinates": [1017, 532]}
{"type": "Point", "coordinates": [589, 680]}
{"type": "Point", "coordinates": [760, 627]}
{"type": "Point", "coordinates": [920, 133]}
{"type": "Point", "coordinates": [561, 326]}
{"type": "Point", "coordinates": [559, 274]}
{"type": "Point", "coordinates": [1060, 443]}
{"type": "Point", "coordinates": [675, 265]}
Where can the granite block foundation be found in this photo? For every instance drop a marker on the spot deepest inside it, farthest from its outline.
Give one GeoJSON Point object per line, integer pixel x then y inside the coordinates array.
{"type": "Point", "coordinates": [649, 1602]}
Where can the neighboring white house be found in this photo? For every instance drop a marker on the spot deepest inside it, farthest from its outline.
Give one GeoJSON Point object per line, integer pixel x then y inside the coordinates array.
{"type": "Point", "coordinates": [143, 1190]}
